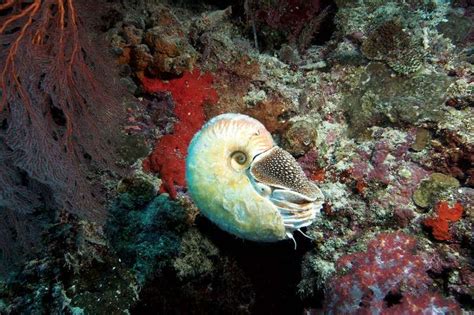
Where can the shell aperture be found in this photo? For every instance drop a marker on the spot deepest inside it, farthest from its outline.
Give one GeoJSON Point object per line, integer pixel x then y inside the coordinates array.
{"type": "Point", "coordinates": [245, 184]}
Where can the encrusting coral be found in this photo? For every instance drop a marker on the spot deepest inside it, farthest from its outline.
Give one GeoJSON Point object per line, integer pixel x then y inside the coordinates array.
{"type": "Point", "coordinates": [444, 215]}
{"type": "Point", "coordinates": [190, 93]}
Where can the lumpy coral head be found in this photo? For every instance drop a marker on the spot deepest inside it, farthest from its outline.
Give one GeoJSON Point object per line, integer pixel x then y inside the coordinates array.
{"type": "Point", "coordinates": [221, 182]}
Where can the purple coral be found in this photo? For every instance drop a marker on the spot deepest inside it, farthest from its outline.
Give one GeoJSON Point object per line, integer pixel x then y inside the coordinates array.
{"type": "Point", "coordinates": [385, 158]}
{"type": "Point", "coordinates": [390, 277]}
{"type": "Point", "coordinates": [387, 163]}
{"type": "Point", "coordinates": [309, 162]}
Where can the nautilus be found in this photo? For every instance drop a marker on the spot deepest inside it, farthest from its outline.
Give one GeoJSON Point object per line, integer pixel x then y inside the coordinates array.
{"type": "Point", "coordinates": [246, 184]}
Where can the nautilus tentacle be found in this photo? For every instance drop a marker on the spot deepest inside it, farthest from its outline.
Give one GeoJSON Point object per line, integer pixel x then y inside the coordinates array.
{"type": "Point", "coordinates": [246, 184]}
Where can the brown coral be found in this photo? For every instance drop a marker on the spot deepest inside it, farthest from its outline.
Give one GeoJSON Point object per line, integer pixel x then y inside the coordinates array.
{"type": "Point", "coordinates": [389, 42]}
{"type": "Point", "coordinates": [162, 49]}
{"type": "Point", "coordinates": [300, 137]}
{"type": "Point", "coordinates": [232, 83]}
{"type": "Point", "coordinates": [274, 112]}
{"type": "Point", "coordinates": [453, 155]}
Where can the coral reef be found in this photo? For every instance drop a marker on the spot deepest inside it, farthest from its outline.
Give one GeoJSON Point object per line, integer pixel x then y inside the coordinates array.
{"type": "Point", "coordinates": [373, 99]}
{"type": "Point", "coordinates": [157, 240]}
{"type": "Point", "coordinates": [390, 43]}
{"type": "Point", "coordinates": [147, 238]}
{"type": "Point", "coordinates": [383, 100]}
{"type": "Point", "coordinates": [452, 153]}
{"type": "Point", "coordinates": [154, 43]}
{"type": "Point", "coordinates": [300, 137]}
{"type": "Point", "coordinates": [433, 188]}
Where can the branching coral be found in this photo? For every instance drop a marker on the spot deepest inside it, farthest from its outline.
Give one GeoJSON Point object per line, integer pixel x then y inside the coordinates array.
{"type": "Point", "coordinates": [51, 108]}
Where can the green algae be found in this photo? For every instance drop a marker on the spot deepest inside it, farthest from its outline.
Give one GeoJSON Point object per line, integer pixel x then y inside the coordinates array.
{"type": "Point", "coordinates": [436, 187]}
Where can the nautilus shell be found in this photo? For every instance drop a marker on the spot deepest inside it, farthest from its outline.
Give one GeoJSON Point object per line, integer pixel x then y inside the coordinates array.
{"type": "Point", "coordinates": [247, 185]}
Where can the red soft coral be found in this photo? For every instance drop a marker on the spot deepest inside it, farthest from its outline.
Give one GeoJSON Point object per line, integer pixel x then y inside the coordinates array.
{"type": "Point", "coordinates": [190, 93]}
{"type": "Point", "coordinates": [440, 223]}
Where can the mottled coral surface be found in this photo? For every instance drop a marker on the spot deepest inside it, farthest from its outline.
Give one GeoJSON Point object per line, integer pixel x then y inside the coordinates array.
{"type": "Point", "coordinates": [190, 92]}
{"type": "Point", "coordinates": [390, 277]}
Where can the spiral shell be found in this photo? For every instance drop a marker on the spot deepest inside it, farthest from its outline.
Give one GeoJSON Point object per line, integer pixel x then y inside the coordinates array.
{"type": "Point", "coordinates": [247, 185]}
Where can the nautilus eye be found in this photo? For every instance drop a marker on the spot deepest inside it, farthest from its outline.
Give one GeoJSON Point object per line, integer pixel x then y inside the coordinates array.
{"type": "Point", "coordinates": [239, 157]}
{"type": "Point", "coordinates": [262, 194]}
{"type": "Point", "coordinates": [238, 161]}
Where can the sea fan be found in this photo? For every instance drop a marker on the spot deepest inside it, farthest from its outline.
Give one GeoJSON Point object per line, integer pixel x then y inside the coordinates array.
{"type": "Point", "coordinates": [57, 121]}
